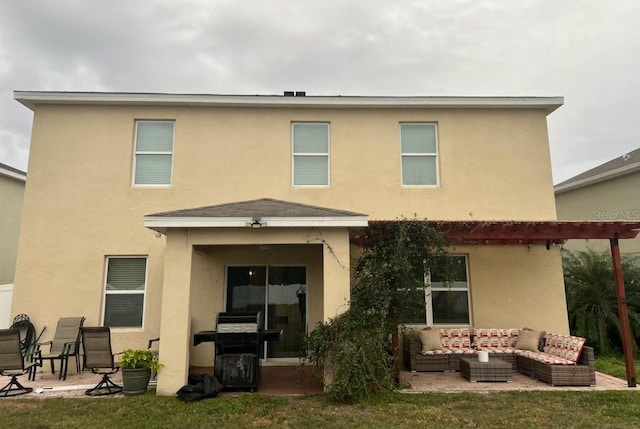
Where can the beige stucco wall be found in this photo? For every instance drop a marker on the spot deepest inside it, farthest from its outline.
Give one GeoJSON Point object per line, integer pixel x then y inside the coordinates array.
{"type": "Point", "coordinates": [614, 199]}
{"type": "Point", "coordinates": [516, 287]}
{"type": "Point", "coordinates": [80, 206]}
{"type": "Point", "coordinates": [11, 199]}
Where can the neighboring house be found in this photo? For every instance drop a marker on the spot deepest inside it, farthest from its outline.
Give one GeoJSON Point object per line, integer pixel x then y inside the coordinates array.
{"type": "Point", "coordinates": [151, 213]}
{"type": "Point", "coordinates": [12, 182]}
{"type": "Point", "coordinates": [608, 192]}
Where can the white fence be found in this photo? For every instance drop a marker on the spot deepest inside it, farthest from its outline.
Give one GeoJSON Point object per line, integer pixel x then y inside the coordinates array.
{"type": "Point", "coordinates": [6, 294]}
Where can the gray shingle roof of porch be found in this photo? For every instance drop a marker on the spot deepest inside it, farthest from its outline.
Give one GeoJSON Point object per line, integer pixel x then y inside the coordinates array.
{"type": "Point", "coordinates": [263, 207]}
{"type": "Point", "coordinates": [256, 214]}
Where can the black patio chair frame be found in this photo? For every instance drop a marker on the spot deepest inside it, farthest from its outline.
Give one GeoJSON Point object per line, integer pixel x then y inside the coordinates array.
{"type": "Point", "coordinates": [66, 350]}
{"type": "Point", "coordinates": [12, 363]}
{"type": "Point", "coordinates": [99, 358]}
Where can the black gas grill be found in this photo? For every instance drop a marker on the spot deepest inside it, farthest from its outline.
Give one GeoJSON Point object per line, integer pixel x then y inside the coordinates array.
{"type": "Point", "coordinates": [239, 339]}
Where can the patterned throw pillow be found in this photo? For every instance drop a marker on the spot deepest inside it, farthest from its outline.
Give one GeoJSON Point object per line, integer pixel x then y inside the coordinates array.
{"type": "Point", "coordinates": [495, 338]}
{"type": "Point", "coordinates": [564, 346]}
{"type": "Point", "coordinates": [456, 339]}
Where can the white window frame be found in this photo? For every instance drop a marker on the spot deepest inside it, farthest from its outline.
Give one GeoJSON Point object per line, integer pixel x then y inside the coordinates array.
{"type": "Point", "coordinates": [430, 288]}
{"type": "Point", "coordinates": [136, 152]}
{"type": "Point", "coordinates": [312, 154]}
{"type": "Point", "coordinates": [105, 292]}
{"type": "Point", "coordinates": [420, 155]}
{"type": "Point", "coordinates": [428, 299]}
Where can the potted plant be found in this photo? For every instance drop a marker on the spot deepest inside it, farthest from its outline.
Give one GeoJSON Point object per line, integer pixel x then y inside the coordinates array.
{"type": "Point", "coordinates": [137, 368]}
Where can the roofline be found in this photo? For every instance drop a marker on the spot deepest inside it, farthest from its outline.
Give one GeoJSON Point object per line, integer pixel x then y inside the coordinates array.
{"type": "Point", "coordinates": [13, 173]}
{"type": "Point", "coordinates": [592, 180]}
{"type": "Point", "coordinates": [31, 99]}
{"type": "Point", "coordinates": [161, 223]}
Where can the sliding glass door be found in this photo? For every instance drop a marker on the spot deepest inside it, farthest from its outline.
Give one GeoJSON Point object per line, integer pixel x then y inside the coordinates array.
{"type": "Point", "coordinates": [280, 293]}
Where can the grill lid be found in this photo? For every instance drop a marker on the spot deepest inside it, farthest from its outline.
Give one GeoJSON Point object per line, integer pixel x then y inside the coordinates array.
{"type": "Point", "coordinates": [249, 321]}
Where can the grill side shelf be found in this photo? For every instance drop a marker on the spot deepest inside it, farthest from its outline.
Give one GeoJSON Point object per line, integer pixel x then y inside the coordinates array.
{"type": "Point", "coordinates": [204, 337]}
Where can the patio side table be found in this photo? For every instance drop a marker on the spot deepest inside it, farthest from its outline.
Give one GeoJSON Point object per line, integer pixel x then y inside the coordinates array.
{"type": "Point", "coordinates": [494, 370]}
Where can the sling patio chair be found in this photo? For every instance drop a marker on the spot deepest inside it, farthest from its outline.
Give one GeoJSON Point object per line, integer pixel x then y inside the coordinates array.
{"type": "Point", "coordinates": [98, 357]}
{"type": "Point", "coordinates": [65, 343]}
{"type": "Point", "coordinates": [12, 363]}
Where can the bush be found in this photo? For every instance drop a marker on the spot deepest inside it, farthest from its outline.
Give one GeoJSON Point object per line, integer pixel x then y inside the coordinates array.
{"type": "Point", "coordinates": [591, 298]}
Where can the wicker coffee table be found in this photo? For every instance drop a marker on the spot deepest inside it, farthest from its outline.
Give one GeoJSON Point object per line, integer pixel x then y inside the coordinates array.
{"type": "Point", "coordinates": [494, 370]}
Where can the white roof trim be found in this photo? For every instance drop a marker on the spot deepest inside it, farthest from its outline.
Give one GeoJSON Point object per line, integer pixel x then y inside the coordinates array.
{"type": "Point", "coordinates": [627, 169]}
{"type": "Point", "coordinates": [161, 222]}
{"type": "Point", "coordinates": [32, 98]}
{"type": "Point", "coordinates": [12, 174]}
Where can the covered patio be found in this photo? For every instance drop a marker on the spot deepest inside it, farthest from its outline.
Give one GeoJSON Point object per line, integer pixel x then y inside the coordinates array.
{"type": "Point", "coordinates": [286, 380]}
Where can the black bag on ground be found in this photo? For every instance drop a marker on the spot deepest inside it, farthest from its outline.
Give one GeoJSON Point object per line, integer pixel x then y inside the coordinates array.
{"type": "Point", "coordinates": [201, 386]}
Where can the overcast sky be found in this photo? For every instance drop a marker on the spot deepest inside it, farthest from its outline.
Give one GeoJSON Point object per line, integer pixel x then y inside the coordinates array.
{"type": "Point", "coordinates": [586, 51]}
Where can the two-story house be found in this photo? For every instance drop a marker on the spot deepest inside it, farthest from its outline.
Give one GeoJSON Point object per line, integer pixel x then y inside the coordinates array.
{"type": "Point", "coordinates": [151, 213]}
{"type": "Point", "coordinates": [607, 192]}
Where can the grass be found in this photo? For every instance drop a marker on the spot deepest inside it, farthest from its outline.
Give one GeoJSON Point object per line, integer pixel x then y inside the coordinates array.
{"type": "Point", "coordinates": [614, 365]}
{"type": "Point", "coordinates": [435, 410]}
{"type": "Point", "coordinates": [614, 409]}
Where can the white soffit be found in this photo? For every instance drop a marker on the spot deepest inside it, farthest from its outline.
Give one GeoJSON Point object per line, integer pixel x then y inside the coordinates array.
{"type": "Point", "coordinates": [162, 222]}
{"type": "Point", "coordinates": [32, 98]}
{"type": "Point", "coordinates": [12, 174]}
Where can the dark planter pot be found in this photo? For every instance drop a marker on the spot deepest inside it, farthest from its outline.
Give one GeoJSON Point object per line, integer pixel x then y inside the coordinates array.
{"type": "Point", "coordinates": [135, 381]}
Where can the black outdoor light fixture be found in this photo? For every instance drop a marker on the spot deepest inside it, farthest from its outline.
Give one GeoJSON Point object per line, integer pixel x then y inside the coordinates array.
{"type": "Point", "coordinates": [256, 223]}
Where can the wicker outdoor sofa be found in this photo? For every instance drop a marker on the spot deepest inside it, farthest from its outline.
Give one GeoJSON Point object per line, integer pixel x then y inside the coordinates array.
{"type": "Point", "coordinates": [559, 360]}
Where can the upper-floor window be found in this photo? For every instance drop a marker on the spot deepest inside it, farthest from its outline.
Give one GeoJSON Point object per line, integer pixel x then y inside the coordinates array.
{"type": "Point", "coordinates": [125, 287]}
{"type": "Point", "coordinates": [419, 149]}
{"type": "Point", "coordinates": [153, 153]}
{"type": "Point", "coordinates": [310, 154]}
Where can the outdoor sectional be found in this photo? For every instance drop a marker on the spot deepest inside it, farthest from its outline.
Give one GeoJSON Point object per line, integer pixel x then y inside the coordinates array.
{"type": "Point", "coordinates": [559, 360]}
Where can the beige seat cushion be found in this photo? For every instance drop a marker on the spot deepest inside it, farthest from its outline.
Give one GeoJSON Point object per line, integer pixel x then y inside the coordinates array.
{"type": "Point", "coordinates": [430, 339]}
{"type": "Point", "coordinates": [528, 340]}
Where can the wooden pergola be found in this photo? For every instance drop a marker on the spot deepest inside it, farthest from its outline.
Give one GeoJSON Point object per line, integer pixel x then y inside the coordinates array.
{"type": "Point", "coordinates": [556, 232]}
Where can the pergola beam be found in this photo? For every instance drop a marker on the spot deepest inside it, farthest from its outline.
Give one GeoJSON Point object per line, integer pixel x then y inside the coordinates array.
{"type": "Point", "coordinates": [541, 231]}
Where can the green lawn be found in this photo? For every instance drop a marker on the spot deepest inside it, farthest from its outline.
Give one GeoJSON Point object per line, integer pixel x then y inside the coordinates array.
{"type": "Point", "coordinates": [614, 365]}
{"type": "Point", "coordinates": [619, 409]}
{"type": "Point", "coordinates": [505, 409]}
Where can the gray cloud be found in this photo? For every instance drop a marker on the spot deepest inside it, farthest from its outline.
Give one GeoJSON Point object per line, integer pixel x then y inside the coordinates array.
{"type": "Point", "coordinates": [585, 50]}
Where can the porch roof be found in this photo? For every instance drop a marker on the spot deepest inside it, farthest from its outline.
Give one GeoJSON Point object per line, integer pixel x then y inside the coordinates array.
{"type": "Point", "coordinates": [534, 232]}
{"type": "Point", "coordinates": [260, 213]}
